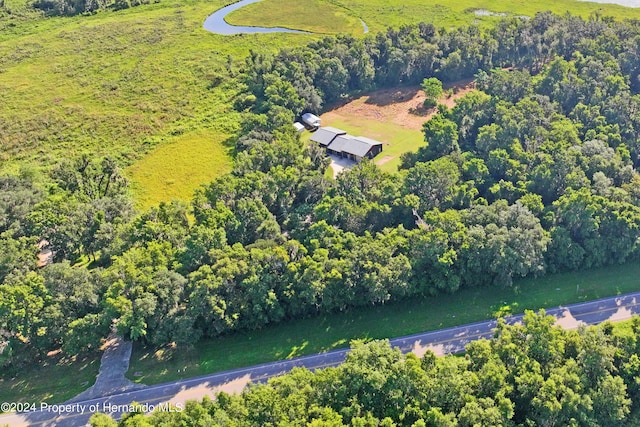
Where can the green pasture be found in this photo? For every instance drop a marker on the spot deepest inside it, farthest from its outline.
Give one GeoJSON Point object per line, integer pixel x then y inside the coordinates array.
{"type": "Point", "coordinates": [316, 16]}
{"type": "Point", "coordinates": [381, 14]}
{"type": "Point", "coordinates": [330, 16]}
{"type": "Point", "coordinates": [175, 170]}
{"type": "Point", "coordinates": [329, 331]}
{"type": "Point", "coordinates": [124, 84]}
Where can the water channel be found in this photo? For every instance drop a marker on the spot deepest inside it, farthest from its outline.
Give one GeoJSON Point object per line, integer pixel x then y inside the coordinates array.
{"type": "Point", "coordinates": [217, 25]}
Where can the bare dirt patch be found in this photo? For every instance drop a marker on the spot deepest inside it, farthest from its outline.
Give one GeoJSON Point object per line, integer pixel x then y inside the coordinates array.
{"type": "Point", "coordinates": [384, 160]}
{"type": "Point", "coordinates": [402, 106]}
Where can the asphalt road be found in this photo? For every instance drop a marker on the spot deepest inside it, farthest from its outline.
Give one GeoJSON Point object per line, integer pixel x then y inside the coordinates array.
{"type": "Point", "coordinates": [444, 341]}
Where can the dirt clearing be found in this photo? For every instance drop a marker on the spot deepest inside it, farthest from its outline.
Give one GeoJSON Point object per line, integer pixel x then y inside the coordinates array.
{"type": "Point", "coordinates": [402, 106]}
{"type": "Point", "coordinates": [393, 117]}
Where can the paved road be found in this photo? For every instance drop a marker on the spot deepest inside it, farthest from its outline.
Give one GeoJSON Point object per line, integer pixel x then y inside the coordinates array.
{"type": "Point", "coordinates": [444, 341]}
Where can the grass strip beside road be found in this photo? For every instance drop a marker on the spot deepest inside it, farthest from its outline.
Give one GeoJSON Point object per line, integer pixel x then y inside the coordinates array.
{"type": "Point", "coordinates": [329, 331]}
{"type": "Point", "coordinates": [54, 380]}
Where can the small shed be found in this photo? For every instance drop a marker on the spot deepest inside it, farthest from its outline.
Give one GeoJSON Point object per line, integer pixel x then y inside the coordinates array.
{"type": "Point", "coordinates": [311, 120]}
{"type": "Point", "coordinates": [299, 127]}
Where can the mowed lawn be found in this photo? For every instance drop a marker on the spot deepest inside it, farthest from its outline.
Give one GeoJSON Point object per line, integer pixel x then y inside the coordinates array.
{"type": "Point", "coordinates": [329, 331]}
{"type": "Point", "coordinates": [317, 16]}
{"type": "Point", "coordinates": [175, 170]}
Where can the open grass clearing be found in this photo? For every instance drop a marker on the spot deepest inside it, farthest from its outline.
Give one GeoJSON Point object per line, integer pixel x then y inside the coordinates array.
{"type": "Point", "coordinates": [175, 170]}
{"type": "Point", "coordinates": [53, 381]}
{"type": "Point", "coordinates": [329, 331]}
{"type": "Point", "coordinates": [392, 116]}
{"type": "Point", "coordinates": [122, 84]}
{"type": "Point", "coordinates": [317, 16]}
{"type": "Point", "coordinates": [395, 138]}
{"type": "Point", "coordinates": [381, 14]}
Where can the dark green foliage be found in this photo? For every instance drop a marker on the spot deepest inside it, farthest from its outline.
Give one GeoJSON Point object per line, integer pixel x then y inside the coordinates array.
{"type": "Point", "coordinates": [529, 374]}
{"type": "Point", "coordinates": [432, 88]}
{"type": "Point", "coordinates": [535, 172]}
{"type": "Point", "coordinates": [75, 7]}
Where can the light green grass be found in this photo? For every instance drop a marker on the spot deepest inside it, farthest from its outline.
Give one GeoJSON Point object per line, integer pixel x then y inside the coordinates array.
{"type": "Point", "coordinates": [318, 16]}
{"type": "Point", "coordinates": [381, 14]}
{"type": "Point", "coordinates": [329, 331]}
{"type": "Point", "coordinates": [53, 382]}
{"type": "Point", "coordinates": [120, 84]}
{"type": "Point", "coordinates": [175, 170]}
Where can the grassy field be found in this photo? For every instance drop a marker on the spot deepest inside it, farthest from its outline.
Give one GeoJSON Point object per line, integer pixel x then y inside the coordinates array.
{"type": "Point", "coordinates": [381, 14]}
{"type": "Point", "coordinates": [55, 381]}
{"type": "Point", "coordinates": [126, 83]}
{"type": "Point", "coordinates": [317, 16]}
{"type": "Point", "coordinates": [123, 84]}
{"type": "Point", "coordinates": [331, 331]}
{"type": "Point", "coordinates": [175, 170]}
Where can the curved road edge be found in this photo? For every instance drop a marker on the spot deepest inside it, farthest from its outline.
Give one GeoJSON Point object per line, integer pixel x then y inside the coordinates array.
{"type": "Point", "coordinates": [444, 341]}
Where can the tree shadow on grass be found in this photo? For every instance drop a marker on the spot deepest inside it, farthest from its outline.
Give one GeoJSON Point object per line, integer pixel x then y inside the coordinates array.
{"type": "Point", "coordinates": [385, 97]}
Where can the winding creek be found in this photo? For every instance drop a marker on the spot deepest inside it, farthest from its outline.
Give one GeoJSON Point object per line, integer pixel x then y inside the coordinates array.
{"type": "Point", "coordinates": [216, 23]}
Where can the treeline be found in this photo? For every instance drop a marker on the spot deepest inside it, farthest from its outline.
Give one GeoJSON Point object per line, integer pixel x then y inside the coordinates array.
{"type": "Point", "coordinates": [76, 7]}
{"type": "Point", "coordinates": [534, 172]}
{"type": "Point", "coordinates": [532, 374]}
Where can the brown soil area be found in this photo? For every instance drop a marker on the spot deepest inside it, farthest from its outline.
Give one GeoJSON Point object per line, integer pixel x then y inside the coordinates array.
{"type": "Point", "coordinates": [384, 160]}
{"type": "Point", "coordinates": [403, 106]}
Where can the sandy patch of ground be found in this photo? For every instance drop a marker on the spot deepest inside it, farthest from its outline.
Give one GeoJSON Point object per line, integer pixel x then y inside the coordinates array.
{"type": "Point", "coordinates": [403, 106]}
{"type": "Point", "coordinates": [384, 160]}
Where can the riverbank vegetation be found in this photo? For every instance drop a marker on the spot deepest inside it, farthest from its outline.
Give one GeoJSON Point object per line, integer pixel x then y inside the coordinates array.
{"type": "Point", "coordinates": [317, 16]}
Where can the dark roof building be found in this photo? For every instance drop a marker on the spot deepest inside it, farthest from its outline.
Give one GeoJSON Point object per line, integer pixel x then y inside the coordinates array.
{"type": "Point", "coordinates": [360, 146]}
{"type": "Point", "coordinates": [340, 143]}
{"type": "Point", "coordinates": [325, 135]}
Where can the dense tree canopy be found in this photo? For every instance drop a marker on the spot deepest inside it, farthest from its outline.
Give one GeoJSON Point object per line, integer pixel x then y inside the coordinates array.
{"type": "Point", "coordinates": [529, 374]}
{"type": "Point", "coordinates": [533, 172]}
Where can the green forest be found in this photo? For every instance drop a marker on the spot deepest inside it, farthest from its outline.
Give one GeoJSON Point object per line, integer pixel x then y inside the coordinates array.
{"type": "Point", "coordinates": [532, 374]}
{"type": "Point", "coordinates": [533, 173]}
